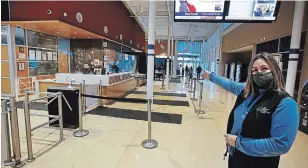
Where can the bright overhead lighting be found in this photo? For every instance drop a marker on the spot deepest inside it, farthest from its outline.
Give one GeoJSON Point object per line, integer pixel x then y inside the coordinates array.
{"type": "Point", "coordinates": [73, 37]}
{"type": "Point", "coordinates": [89, 37]}
{"type": "Point", "coordinates": [74, 32]}
{"type": "Point", "coordinates": [55, 26]}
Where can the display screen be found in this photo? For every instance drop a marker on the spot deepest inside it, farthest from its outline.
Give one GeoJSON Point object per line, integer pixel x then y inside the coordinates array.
{"type": "Point", "coordinates": [198, 10]}
{"type": "Point", "coordinates": [252, 10]}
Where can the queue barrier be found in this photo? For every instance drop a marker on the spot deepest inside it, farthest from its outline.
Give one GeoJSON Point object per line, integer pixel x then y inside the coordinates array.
{"type": "Point", "coordinates": [194, 91]}
{"type": "Point", "coordinates": [11, 131]}
{"type": "Point", "coordinates": [149, 143]}
{"type": "Point", "coordinates": [200, 111]}
{"type": "Point", "coordinates": [27, 113]}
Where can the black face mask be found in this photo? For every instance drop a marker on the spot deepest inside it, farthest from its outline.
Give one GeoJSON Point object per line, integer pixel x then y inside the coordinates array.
{"type": "Point", "coordinates": [263, 80]}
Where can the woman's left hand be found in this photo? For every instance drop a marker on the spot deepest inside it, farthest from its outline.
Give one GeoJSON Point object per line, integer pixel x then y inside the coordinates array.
{"type": "Point", "coordinates": [230, 139]}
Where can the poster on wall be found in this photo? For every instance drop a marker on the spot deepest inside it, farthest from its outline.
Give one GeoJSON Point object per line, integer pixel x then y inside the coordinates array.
{"type": "Point", "coordinates": [31, 54]}
{"type": "Point", "coordinates": [49, 55]}
{"type": "Point", "coordinates": [38, 55]}
{"type": "Point", "coordinates": [54, 56]}
{"type": "Point", "coordinates": [44, 56]}
{"type": "Point", "coordinates": [21, 56]}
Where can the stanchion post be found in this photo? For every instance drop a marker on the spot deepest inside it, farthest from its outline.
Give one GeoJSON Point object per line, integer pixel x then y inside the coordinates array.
{"type": "Point", "coordinates": [80, 132]}
{"type": "Point", "coordinates": [194, 92]}
{"type": "Point", "coordinates": [5, 116]}
{"type": "Point", "coordinates": [149, 143]}
{"type": "Point", "coordinates": [100, 93]}
{"type": "Point", "coordinates": [83, 98]}
{"type": "Point", "coordinates": [200, 111]}
{"type": "Point", "coordinates": [60, 111]}
{"type": "Point", "coordinates": [15, 134]}
{"type": "Point", "coordinates": [191, 84]}
{"type": "Point", "coordinates": [28, 128]}
{"type": "Point", "coordinates": [163, 82]}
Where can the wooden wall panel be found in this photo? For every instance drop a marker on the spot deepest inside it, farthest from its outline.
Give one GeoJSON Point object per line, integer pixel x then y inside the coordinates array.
{"type": "Point", "coordinates": [63, 63]}
{"type": "Point", "coordinates": [119, 89]}
{"type": "Point", "coordinates": [43, 86]}
{"type": "Point", "coordinates": [5, 70]}
{"type": "Point", "coordinates": [4, 52]}
{"type": "Point", "coordinates": [5, 85]}
{"type": "Point", "coordinates": [46, 77]}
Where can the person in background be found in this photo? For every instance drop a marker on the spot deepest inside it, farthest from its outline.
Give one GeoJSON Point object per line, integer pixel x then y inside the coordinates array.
{"type": "Point", "coordinates": [191, 72]}
{"type": "Point", "coordinates": [187, 7]}
{"type": "Point", "coordinates": [263, 123]}
{"type": "Point", "coordinates": [198, 70]}
{"type": "Point", "coordinates": [186, 70]}
{"type": "Point", "coordinates": [183, 70]}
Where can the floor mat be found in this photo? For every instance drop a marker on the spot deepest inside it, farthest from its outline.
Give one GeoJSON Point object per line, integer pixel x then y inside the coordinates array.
{"type": "Point", "coordinates": [137, 115]}
{"type": "Point", "coordinates": [33, 105]}
{"type": "Point", "coordinates": [175, 80]}
{"type": "Point", "coordinates": [162, 94]}
{"type": "Point", "coordinates": [171, 102]}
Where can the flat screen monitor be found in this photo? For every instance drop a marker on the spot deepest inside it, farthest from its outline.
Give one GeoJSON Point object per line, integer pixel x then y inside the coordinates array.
{"type": "Point", "coordinates": [198, 10]}
{"type": "Point", "coordinates": [251, 10]}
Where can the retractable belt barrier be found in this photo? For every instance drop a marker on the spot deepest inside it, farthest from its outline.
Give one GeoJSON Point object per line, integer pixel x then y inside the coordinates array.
{"type": "Point", "coordinates": [133, 100]}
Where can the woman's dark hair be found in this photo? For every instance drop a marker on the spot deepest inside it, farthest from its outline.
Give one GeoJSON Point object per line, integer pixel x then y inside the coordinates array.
{"type": "Point", "coordinates": [278, 81]}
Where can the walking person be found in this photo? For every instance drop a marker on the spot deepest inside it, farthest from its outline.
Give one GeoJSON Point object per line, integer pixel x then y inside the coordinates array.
{"type": "Point", "coordinates": [263, 124]}
{"type": "Point", "coordinates": [191, 72]}
{"type": "Point", "coordinates": [198, 70]}
{"type": "Point", "coordinates": [186, 70]}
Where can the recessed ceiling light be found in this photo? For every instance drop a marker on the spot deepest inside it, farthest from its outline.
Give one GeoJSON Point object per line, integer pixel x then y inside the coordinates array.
{"type": "Point", "coordinates": [55, 26]}
{"type": "Point", "coordinates": [74, 32]}
{"type": "Point", "coordinates": [73, 37]}
{"type": "Point", "coordinates": [89, 37]}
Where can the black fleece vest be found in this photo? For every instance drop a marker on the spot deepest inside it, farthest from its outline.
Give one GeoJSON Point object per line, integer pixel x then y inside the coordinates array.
{"type": "Point", "coordinates": [257, 125]}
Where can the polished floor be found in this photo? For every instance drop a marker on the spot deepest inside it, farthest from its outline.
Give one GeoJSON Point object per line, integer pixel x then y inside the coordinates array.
{"type": "Point", "coordinates": [197, 142]}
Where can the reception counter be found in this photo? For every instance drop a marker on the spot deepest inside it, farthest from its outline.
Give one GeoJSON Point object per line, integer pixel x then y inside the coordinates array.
{"type": "Point", "coordinates": [114, 85]}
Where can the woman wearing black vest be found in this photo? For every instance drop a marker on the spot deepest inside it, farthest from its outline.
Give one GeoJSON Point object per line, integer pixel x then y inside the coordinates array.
{"type": "Point", "coordinates": [264, 121]}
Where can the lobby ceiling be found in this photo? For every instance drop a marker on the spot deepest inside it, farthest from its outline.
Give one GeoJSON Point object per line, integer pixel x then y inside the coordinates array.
{"type": "Point", "coordinates": [164, 9]}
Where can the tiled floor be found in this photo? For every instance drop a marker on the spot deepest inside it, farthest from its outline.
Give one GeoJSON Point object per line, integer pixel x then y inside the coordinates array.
{"type": "Point", "coordinates": [116, 143]}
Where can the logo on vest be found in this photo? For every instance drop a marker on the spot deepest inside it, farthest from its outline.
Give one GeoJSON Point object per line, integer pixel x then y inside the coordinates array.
{"type": "Point", "coordinates": [263, 110]}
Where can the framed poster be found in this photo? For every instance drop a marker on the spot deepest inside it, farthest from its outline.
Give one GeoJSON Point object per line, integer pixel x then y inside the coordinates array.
{"type": "Point", "coordinates": [31, 54]}
{"type": "Point", "coordinates": [21, 66]}
{"type": "Point", "coordinates": [54, 56]}
{"type": "Point", "coordinates": [44, 55]}
{"type": "Point", "coordinates": [49, 55]}
{"type": "Point", "coordinates": [38, 55]}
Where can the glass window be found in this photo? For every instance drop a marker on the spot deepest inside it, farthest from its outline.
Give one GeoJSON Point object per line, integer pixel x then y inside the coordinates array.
{"type": "Point", "coordinates": [285, 44]}
{"type": "Point", "coordinates": [269, 46]}
{"type": "Point", "coordinates": [63, 44]}
{"type": "Point", "coordinates": [19, 36]}
{"type": "Point", "coordinates": [36, 39]}
{"type": "Point", "coordinates": [3, 34]}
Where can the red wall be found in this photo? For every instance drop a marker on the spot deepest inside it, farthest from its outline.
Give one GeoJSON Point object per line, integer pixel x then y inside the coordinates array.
{"type": "Point", "coordinates": [96, 15]}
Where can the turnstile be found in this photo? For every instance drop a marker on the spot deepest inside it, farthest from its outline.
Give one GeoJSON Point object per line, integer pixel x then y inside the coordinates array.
{"type": "Point", "coordinates": [303, 122]}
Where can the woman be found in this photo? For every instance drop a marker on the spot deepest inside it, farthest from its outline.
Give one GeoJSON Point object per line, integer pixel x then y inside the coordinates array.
{"type": "Point", "coordinates": [264, 121]}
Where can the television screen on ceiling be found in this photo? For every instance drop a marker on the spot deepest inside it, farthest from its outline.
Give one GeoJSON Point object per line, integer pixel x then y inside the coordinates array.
{"type": "Point", "coordinates": [251, 10]}
{"type": "Point", "coordinates": [221, 11]}
{"type": "Point", "coordinates": [198, 10]}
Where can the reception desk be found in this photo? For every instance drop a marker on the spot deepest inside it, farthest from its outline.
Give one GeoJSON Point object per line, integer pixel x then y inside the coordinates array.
{"type": "Point", "coordinates": [114, 85]}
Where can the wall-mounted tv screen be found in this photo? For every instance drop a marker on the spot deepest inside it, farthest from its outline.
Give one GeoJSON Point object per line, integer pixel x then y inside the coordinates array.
{"type": "Point", "coordinates": [251, 10]}
{"type": "Point", "coordinates": [198, 10]}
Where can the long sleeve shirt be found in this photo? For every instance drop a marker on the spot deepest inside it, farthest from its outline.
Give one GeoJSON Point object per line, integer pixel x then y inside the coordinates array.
{"type": "Point", "coordinates": [285, 122]}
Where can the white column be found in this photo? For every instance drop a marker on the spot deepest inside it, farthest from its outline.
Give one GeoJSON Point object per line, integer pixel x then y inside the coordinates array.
{"type": "Point", "coordinates": [12, 59]}
{"type": "Point", "coordinates": [175, 58]}
{"type": "Point", "coordinates": [168, 52]}
{"type": "Point", "coordinates": [151, 51]}
{"type": "Point", "coordinates": [295, 44]}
